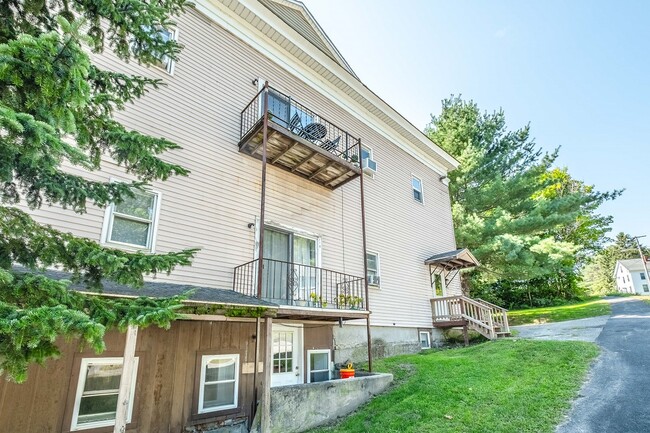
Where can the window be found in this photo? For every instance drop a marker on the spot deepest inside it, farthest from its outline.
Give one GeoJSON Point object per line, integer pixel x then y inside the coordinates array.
{"type": "Point", "coordinates": [219, 382]}
{"type": "Point", "coordinates": [417, 189]}
{"type": "Point", "coordinates": [642, 275]}
{"type": "Point", "coordinates": [425, 340]}
{"type": "Point", "coordinates": [645, 288]}
{"type": "Point", "coordinates": [366, 153]}
{"type": "Point", "coordinates": [372, 260]}
{"type": "Point", "coordinates": [164, 61]}
{"type": "Point", "coordinates": [438, 287]}
{"type": "Point", "coordinates": [133, 222]}
{"type": "Point", "coordinates": [96, 398]}
{"type": "Point", "coordinates": [318, 365]}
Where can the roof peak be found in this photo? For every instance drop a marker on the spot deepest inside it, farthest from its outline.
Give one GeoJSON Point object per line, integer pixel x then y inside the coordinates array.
{"type": "Point", "coordinates": [296, 15]}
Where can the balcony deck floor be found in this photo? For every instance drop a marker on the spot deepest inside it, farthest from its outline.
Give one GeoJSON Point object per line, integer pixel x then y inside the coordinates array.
{"type": "Point", "coordinates": [297, 155]}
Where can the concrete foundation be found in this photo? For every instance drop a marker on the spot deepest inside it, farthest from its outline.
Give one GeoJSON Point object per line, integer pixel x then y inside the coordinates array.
{"type": "Point", "coordinates": [350, 341]}
{"type": "Point", "coordinates": [239, 425]}
{"type": "Point", "coordinates": [298, 408]}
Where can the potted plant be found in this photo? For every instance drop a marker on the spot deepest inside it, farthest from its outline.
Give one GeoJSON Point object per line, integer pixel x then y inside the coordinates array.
{"type": "Point", "coordinates": [317, 301]}
{"type": "Point", "coordinates": [349, 301]}
{"type": "Point", "coordinates": [347, 372]}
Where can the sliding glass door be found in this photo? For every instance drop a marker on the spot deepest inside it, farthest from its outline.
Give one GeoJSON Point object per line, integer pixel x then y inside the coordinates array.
{"type": "Point", "coordinates": [289, 274]}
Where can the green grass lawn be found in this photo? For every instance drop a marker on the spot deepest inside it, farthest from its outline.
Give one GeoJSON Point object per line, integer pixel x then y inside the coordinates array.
{"type": "Point", "coordinates": [591, 308]}
{"type": "Point", "coordinates": [507, 386]}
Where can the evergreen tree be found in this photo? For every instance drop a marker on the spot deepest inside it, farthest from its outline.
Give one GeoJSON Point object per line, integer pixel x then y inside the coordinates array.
{"type": "Point", "coordinates": [524, 220]}
{"type": "Point", "coordinates": [57, 107]}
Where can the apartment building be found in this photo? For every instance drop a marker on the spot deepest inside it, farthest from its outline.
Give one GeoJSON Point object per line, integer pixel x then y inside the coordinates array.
{"type": "Point", "coordinates": [311, 199]}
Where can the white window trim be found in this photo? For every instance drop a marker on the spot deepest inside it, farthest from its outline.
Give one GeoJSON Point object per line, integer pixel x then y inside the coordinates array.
{"type": "Point", "coordinates": [172, 63]}
{"type": "Point", "coordinates": [80, 387]}
{"type": "Point", "coordinates": [428, 334]}
{"type": "Point", "coordinates": [413, 176]}
{"type": "Point", "coordinates": [376, 254]}
{"type": "Point", "coordinates": [329, 361]}
{"type": "Point", "coordinates": [204, 360]}
{"type": "Point", "coordinates": [294, 231]}
{"type": "Point", "coordinates": [107, 226]}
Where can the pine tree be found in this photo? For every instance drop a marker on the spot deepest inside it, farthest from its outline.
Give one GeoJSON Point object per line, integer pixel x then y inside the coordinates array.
{"type": "Point", "coordinates": [57, 107]}
{"type": "Point", "coordinates": [522, 219]}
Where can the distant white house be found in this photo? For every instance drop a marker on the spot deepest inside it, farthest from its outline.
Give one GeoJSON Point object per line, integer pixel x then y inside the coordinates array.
{"type": "Point", "coordinates": [630, 277]}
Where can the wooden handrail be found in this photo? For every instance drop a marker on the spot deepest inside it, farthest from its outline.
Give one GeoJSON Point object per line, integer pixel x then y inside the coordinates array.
{"type": "Point", "coordinates": [482, 316]}
{"type": "Point", "coordinates": [490, 304]}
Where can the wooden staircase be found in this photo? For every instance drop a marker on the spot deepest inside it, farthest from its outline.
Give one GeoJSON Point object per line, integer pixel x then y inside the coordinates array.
{"type": "Point", "coordinates": [487, 319]}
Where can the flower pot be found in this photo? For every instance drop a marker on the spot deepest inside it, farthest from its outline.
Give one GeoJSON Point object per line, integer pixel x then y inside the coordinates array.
{"type": "Point", "coordinates": [347, 373]}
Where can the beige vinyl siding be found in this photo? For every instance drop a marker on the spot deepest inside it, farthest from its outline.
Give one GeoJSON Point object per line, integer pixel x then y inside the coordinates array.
{"type": "Point", "coordinates": [199, 108]}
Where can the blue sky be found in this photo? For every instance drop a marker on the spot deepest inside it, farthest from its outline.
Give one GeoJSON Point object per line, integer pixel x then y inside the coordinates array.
{"type": "Point", "coordinates": [578, 71]}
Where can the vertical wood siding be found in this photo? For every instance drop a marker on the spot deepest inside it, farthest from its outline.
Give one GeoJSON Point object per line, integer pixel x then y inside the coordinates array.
{"type": "Point", "coordinates": [199, 108]}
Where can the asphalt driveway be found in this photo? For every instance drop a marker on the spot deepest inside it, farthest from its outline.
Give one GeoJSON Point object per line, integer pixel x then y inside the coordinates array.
{"type": "Point", "coordinates": [616, 397]}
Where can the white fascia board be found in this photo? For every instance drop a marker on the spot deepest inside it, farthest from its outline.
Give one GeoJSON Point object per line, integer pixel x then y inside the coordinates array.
{"type": "Point", "coordinates": [311, 20]}
{"type": "Point", "coordinates": [236, 25]}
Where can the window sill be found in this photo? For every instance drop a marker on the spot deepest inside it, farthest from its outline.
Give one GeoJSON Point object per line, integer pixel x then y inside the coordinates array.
{"type": "Point", "coordinates": [127, 247]}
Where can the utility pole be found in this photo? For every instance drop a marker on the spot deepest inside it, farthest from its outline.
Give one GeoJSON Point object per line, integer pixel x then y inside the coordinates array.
{"type": "Point", "coordinates": [645, 266]}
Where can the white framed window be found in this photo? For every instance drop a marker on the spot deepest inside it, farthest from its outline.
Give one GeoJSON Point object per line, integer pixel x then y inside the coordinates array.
{"type": "Point", "coordinates": [642, 274]}
{"type": "Point", "coordinates": [96, 397]}
{"type": "Point", "coordinates": [418, 194]}
{"type": "Point", "coordinates": [366, 153]}
{"type": "Point", "coordinates": [318, 365]}
{"type": "Point", "coordinates": [374, 276]}
{"type": "Point", "coordinates": [133, 222]}
{"type": "Point", "coordinates": [164, 62]}
{"type": "Point", "coordinates": [425, 340]}
{"type": "Point", "coordinates": [219, 387]}
{"type": "Point", "coordinates": [167, 63]}
{"type": "Point", "coordinates": [645, 288]}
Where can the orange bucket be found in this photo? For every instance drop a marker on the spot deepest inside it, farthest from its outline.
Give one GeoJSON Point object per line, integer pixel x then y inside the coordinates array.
{"type": "Point", "coordinates": [347, 373]}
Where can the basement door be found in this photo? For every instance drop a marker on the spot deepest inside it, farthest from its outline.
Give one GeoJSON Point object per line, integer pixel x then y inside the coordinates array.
{"type": "Point", "coordinates": [287, 355]}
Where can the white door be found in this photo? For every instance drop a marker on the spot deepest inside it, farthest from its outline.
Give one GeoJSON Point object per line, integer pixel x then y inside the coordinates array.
{"type": "Point", "coordinates": [287, 355]}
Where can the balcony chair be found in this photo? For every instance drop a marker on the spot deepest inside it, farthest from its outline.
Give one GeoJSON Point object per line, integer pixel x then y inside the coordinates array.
{"type": "Point", "coordinates": [331, 145]}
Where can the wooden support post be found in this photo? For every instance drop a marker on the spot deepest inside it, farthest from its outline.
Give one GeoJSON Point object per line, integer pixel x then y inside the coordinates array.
{"type": "Point", "coordinates": [124, 394]}
{"type": "Point", "coordinates": [465, 336]}
{"type": "Point", "coordinates": [258, 338]}
{"type": "Point", "coordinates": [265, 425]}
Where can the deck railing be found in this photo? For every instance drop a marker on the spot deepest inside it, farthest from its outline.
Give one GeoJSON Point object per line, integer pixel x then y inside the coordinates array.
{"type": "Point", "coordinates": [295, 284]}
{"type": "Point", "coordinates": [482, 316]}
{"type": "Point", "coordinates": [499, 315]}
{"type": "Point", "coordinates": [301, 121]}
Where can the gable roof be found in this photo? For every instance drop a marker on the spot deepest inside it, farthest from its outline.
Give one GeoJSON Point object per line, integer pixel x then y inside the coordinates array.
{"type": "Point", "coordinates": [261, 28]}
{"type": "Point", "coordinates": [452, 260]}
{"type": "Point", "coordinates": [629, 264]}
{"type": "Point", "coordinates": [295, 14]}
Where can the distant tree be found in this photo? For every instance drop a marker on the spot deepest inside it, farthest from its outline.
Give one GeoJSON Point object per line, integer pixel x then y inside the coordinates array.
{"type": "Point", "coordinates": [525, 221]}
{"type": "Point", "coordinates": [598, 274]}
{"type": "Point", "coordinates": [56, 107]}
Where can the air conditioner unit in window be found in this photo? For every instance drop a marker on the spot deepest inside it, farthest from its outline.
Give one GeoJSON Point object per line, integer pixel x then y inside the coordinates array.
{"type": "Point", "coordinates": [373, 280]}
{"type": "Point", "coordinates": [369, 166]}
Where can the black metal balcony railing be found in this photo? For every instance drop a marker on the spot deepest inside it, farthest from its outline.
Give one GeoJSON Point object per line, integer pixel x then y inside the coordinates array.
{"type": "Point", "coordinates": [301, 121]}
{"type": "Point", "coordinates": [301, 285]}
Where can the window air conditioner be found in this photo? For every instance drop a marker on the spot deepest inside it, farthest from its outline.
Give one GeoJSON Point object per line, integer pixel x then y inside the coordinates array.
{"type": "Point", "coordinates": [369, 166]}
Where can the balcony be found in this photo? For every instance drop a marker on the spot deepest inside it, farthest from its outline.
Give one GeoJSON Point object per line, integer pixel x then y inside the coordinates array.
{"type": "Point", "coordinates": [307, 290]}
{"type": "Point", "coordinates": [299, 140]}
